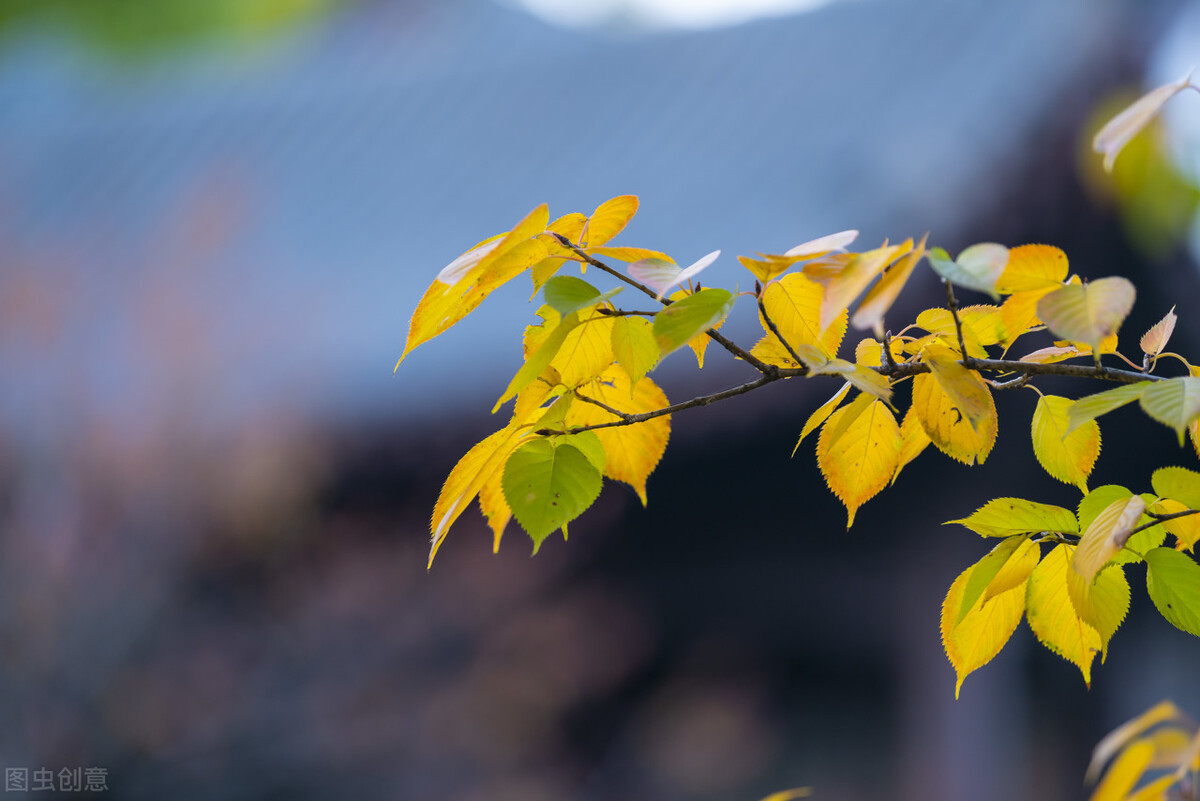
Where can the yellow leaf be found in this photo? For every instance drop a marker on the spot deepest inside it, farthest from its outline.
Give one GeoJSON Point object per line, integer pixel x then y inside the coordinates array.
{"type": "Point", "coordinates": [1153, 791]}
{"type": "Point", "coordinates": [1125, 772]}
{"type": "Point", "coordinates": [965, 389]}
{"type": "Point", "coordinates": [821, 414]}
{"type": "Point", "coordinates": [586, 351]}
{"type": "Point", "coordinates": [1032, 267]}
{"type": "Point", "coordinates": [947, 425]}
{"type": "Point", "coordinates": [482, 463]}
{"type": "Point", "coordinates": [1115, 740]}
{"type": "Point", "coordinates": [628, 254]}
{"type": "Point", "coordinates": [869, 352]}
{"type": "Point", "coordinates": [841, 291]}
{"type": "Point", "coordinates": [1016, 570]}
{"type": "Point", "coordinates": [790, 795]}
{"type": "Point", "coordinates": [983, 631]}
{"type": "Point", "coordinates": [1052, 616]}
{"type": "Point", "coordinates": [913, 441]}
{"type": "Point", "coordinates": [633, 451]}
{"type": "Point", "coordinates": [1154, 340]}
{"type": "Point", "coordinates": [1089, 312]}
{"type": "Point", "coordinates": [794, 305]}
{"type": "Point", "coordinates": [881, 297]}
{"type": "Point", "coordinates": [569, 226]}
{"type": "Point", "coordinates": [940, 323]}
{"type": "Point", "coordinates": [608, 220]}
{"type": "Point", "coordinates": [860, 462]}
{"type": "Point", "coordinates": [828, 267]}
{"type": "Point", "coordinates": [494, 507]}
{"type": "Point", "coordinates": [464, 283]}
{"type": "Point", "coordinates": [1019, 312]}
{"type": "Point", "coordinates": [769, 266]}
{"type": "Point", "coordinates": [634, 346]}
{"type": "Point", "coordinates": [1103, 539]}
{"type": "Point", "coordinates": [1067, 457]}
{"type": "Point", "coordinates": [1185, 529]}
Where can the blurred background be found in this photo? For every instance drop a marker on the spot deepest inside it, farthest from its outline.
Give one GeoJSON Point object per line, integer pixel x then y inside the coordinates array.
{"type": "Point", "coordinates": [216, 217]}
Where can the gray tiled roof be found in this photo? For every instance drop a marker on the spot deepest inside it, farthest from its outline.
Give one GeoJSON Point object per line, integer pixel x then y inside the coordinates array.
{"type": "Point", "coordinates": [365, 155]}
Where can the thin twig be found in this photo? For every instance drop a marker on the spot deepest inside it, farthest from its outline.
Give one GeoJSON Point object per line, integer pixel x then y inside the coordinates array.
{"type": "Point", "coordinates": [703, 400]}
{"type": "Point", "coordinates": [778, 334]}
{"type": "Point", "coordinates": [952, 304]}
{"type": "Point", "coordinates": [888, 358]}
{"type": "Point", "coordinates": [1158, 518]}
{"type": "Point", "coordinates": [623, 312]}
{"type": "Point", "coordinates": [727, 344]}
{"type": "Point", "coordinates": [1030, 368]}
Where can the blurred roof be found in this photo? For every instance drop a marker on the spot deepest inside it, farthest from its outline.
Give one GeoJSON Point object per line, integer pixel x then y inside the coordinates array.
{"type": "Point", "coordinates": [256, 225]}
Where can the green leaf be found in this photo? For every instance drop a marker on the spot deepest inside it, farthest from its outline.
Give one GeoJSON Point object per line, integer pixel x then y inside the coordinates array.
{"type": "Point", "coordinates": [1003, 517]}
{"type": "Point", "coordinates": [1178, 484]}
{"type": "Point", "coordinates": [1092, 406]}
{"type": "Point", "coordinates": [1087, 312]}
{"type": "Point", "coordinates": [547, 485]}
{"type": "Point", "coordinates": [567, 294]}
{"type": "Point", "coordinates": [537, 362]}
{"type": "Point", "coordinates": [976, 268]}
{"type": "Point", "coordinates": [634, 347]}
{"type": "Point", "coordinates": [1099, 499]}
{"type": "Point", "coordinates": [689, 316]}
{"type": "Point", "coordinates": [1173, 581]}
{"type": "Point", "coordinates": [1174, 402]}
{"type": "Point", "coordinates": [588, 444]}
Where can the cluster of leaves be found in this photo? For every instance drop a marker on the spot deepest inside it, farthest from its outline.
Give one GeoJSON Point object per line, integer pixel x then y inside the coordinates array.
{"type": "Point", "coordinates": [1163, 743]}
{"type": "Point", "coordinates": [584, 407]}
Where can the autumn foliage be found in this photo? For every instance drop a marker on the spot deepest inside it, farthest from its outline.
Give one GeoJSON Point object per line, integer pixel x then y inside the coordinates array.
{"type": "Point", "coordinates": [584, 408]}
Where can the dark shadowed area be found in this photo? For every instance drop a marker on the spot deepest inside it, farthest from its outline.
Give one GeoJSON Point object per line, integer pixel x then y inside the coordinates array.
{"type": "Point", "coordinates": [215, 220]}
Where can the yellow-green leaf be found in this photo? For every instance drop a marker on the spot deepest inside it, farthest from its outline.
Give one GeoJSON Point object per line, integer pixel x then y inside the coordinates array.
{"type": "Point", "coordinates": [1090, 407]}
{"type": "Point", "coordinates": [1052, 616]}
{"type": "Point", "coordinates": [1088, 312]}
{"type": "Point", "coordinates": [1155, 340]}
{"type": "Point", "coordinates": [1004, 567]}
{"type": "Point", "coordinates": [1173, 581]}
{"type": "Point", "coordinates": [547, 484]}
{"type": "Point", "coordinates": [1067, 457]}
{"type": "Point", "coordinates": [977, 267]}
{"type": "Point", "coordinates": [1174, 402]}
{"type": "Point", "coordinates": [694, 314]}
{"type": "Point", "coordinates": [975, 639]}
{"type": "Point", "coordinates": [608, 220]}
{"type": "Point", "coordinates": [633, 346]}
{"type": "Point", "coordinates": [631, 452]}
{"type": "Point", "coordinates": [1178, 483]}
{"type": "Point", "coordinates": [860, 462]}
{"type": "Point", "coordinates": [1003, 517]}
{"type": "Point", "coordinates": [1105, 536]}
{"type": "Point", "coordinates": [538, 360]}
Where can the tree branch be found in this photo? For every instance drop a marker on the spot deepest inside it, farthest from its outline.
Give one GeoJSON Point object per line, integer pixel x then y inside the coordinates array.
{"type": "Point", "coordinates": [630, 419]}
{"type": "Point", "coordinates": [727, 344]}
{"type": "Point", "coordinates": [778, 334]}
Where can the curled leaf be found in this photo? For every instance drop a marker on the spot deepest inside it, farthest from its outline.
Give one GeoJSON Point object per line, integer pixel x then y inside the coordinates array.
{"type": "Point", "coordinates": [1120, 129]}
